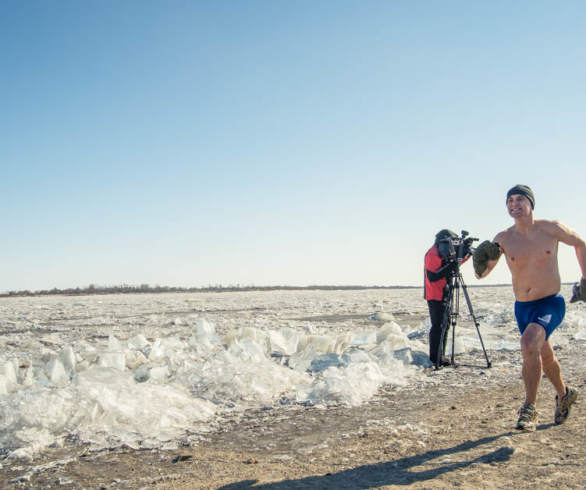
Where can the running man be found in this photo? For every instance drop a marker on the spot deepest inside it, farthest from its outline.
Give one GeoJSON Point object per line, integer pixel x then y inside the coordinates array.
{"type": "Point", "coordinates": [530, 247]}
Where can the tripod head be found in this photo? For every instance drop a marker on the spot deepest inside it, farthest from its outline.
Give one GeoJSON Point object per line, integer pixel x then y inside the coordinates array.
{"type": "Point", "coordinates": [456, 248]}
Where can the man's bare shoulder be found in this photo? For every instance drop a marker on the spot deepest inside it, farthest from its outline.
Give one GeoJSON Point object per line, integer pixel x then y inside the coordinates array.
{"type": "Point", "coordinates": [548, 223]}
{"type": "Point", "coordinates": [560, 231]}
{"type": "Point", "coordinates": [551, 227]}
{"type": "Point", "coordinates": [504, 236]}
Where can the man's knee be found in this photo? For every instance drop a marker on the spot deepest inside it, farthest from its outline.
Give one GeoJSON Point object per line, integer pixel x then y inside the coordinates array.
{"type": "Point", "coordinates": [529, 349]}
{"type": "Point", "coordinates": [532, 340]}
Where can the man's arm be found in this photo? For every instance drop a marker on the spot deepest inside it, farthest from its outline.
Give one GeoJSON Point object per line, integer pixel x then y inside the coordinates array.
{"type": "Point", "coordinates": [490, 267]}
{"type": "Point", "coordinates": [492, 263]}
{"type": "Point", "coordinates": [568, 236]}
{"type": "Point", "coordinates": [442, 273]}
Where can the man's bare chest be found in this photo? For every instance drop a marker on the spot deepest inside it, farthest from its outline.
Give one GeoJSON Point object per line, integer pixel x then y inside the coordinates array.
{"type": "Point", "coordinates": [522, 251]}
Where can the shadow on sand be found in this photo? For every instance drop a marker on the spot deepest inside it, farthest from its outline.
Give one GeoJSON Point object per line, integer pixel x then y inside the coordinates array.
{"type": "Point", "coordinates": [397, 472]}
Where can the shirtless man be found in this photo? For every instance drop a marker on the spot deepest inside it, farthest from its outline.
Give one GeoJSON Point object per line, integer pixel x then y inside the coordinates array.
{"type": "Point", "coordinates": [530, 247]}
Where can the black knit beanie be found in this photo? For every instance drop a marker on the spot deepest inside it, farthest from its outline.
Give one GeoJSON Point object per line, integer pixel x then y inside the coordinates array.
{"type": "Point", "coordinates": [523, 190]}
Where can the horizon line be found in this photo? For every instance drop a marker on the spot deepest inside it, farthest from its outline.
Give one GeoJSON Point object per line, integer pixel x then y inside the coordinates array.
{"type": "Point", "coordinates": [92, 289]}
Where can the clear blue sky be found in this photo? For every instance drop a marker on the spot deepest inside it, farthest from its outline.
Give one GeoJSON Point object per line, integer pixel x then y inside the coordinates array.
{"type": "Point", "coordinates": [270, 142]}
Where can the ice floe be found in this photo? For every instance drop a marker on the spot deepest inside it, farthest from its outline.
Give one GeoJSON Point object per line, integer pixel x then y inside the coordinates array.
{"type": "Point", "coordinates": [157, 371]}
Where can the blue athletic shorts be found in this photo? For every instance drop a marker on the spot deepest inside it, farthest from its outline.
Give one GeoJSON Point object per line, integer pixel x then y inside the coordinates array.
{"type": "Point", "coordinates": [547, 312]}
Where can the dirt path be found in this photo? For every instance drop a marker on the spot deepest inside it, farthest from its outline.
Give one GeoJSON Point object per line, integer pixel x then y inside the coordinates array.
{"type": "Point", "coordinates": [451, 429]}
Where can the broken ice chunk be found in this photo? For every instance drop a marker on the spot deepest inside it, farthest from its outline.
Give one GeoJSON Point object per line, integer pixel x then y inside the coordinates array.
{"type": "Point", "coordinates": [116, 360]}
{"type": "Point", "coordinates": [365, 338]}
{"type": "Point", "coordinates": [68, 359]}
{"type": "Point", "coordinates": [9, 373]}
{"type": "Point", "coordinates": [325, 361]}
{"type": "Point", "coordinates": [151, 371]}
{"type": "Point", "coordinates": [321, 343]}
{"type": "Point", "coordinates": [51, 338]}
{"type": "Point", "coordinates": [138, 342]}
{"type": "Point", "coordinates": [247, 349]}
{"type": "Point", "coordinates": [134, 359]}
{"type": "Point", "coordinates": [381, 316]}
{"type": "Point", "coordinates": [351, 385]}
{"type": "Point", "coordinates": [56, 372]}
{"type": "Point", "coordinates": [388, 329]}
{"type": "Point", "coordinates": [203, 328]}
{"type": "Point", "coordinates": [114, 345]}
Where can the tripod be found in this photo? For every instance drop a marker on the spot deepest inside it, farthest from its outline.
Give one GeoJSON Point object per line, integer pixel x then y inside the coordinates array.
{"type": "Point", "coordinates": [451, 314]}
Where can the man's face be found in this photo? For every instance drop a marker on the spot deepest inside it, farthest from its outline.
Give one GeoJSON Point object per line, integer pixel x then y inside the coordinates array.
{"type": "Point", "coordinates": [518, 206]}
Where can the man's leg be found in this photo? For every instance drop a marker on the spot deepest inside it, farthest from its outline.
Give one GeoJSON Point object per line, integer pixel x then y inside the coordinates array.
{"type": "Point", "coordinates": [532, 342]}
{"type": "Point", "coordinates": [566, 395]}
{"type": "Point", "coordinates": [552, 369]}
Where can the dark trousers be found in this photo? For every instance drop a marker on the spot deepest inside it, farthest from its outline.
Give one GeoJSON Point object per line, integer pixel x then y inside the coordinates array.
{"type": "Point", "coordinates": [437, 309]}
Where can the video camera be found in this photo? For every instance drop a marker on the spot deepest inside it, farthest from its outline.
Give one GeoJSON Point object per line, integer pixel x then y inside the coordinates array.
{"type": "Point", "coordinates": [456, 248]}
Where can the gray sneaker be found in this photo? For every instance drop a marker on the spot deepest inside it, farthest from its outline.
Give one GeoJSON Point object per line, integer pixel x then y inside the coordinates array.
{"type": "Point", "coordinates": [527, 418]}
{"type": "Point", "coordinates": [562, 408]}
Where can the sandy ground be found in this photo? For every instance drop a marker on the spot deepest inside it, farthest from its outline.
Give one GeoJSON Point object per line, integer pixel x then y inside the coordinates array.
{"type": "Point", "coordinates": [454, 428]}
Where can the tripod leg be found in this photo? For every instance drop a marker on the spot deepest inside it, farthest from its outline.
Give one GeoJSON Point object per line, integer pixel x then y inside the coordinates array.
{"type": "Point", "coordinates": [455, 311]}
{"type": "Point", "coordinates": [476, 324]}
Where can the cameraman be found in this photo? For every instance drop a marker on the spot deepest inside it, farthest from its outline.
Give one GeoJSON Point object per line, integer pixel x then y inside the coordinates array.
{"type": "Point", "coordinates": [437, 271]}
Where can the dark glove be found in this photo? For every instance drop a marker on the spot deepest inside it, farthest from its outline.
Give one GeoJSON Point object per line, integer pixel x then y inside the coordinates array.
{"type": "Point", "coordinates": [451, 267]}
{"type": "Point", "coordinates": [579, 291]}
{"type": "Point", "coordinates": [486, 251]}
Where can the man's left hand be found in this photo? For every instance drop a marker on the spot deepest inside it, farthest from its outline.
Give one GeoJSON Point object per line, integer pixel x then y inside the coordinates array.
{"type": "Point", "coordinates": [486, 251]}
{"type": "Point", "coordinates": [579, 291]}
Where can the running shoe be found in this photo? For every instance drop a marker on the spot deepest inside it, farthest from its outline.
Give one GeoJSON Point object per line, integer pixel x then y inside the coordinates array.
{"type": "Point", "coordinates": [527, 418]}
{"type": "Point", "coordinates": [562, 409]}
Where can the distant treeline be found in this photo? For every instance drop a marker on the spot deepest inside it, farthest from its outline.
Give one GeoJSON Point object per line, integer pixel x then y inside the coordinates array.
{"type": "Point", "coordinates": [146, 288]}
{"type": "Point", "coordinates": [217, 288]}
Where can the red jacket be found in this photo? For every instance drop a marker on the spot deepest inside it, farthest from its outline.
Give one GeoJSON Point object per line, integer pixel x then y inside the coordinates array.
{"type": "Point", "coordinates": [433, 262]}
{"type": "Point", "coordinates": [434, 286]}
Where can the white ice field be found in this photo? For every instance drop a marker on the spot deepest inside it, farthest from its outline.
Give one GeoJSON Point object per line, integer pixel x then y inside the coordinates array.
{"type": "Point", "coordinates": [158, 371]}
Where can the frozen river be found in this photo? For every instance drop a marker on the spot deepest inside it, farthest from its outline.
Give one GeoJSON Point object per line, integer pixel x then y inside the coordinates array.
{"type": "Point", "coordinates": [158, 371]}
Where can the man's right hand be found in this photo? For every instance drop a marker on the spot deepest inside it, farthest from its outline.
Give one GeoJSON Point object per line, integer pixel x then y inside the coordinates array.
{"type": "Point", "coordinates": [579, 291]}
{"type": "Point", "coordinates": [486, 251]}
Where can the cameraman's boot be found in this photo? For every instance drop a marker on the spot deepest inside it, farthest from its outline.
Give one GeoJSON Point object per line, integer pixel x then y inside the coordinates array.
{"type": "Point", "coordinates": [435, 351]}
{"type": "Point", "coordinates": [434, 355]}
{"type": "Point", "coordinates": [439, 351]}
{"type": "Point", "coordinates": [444, 361]}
